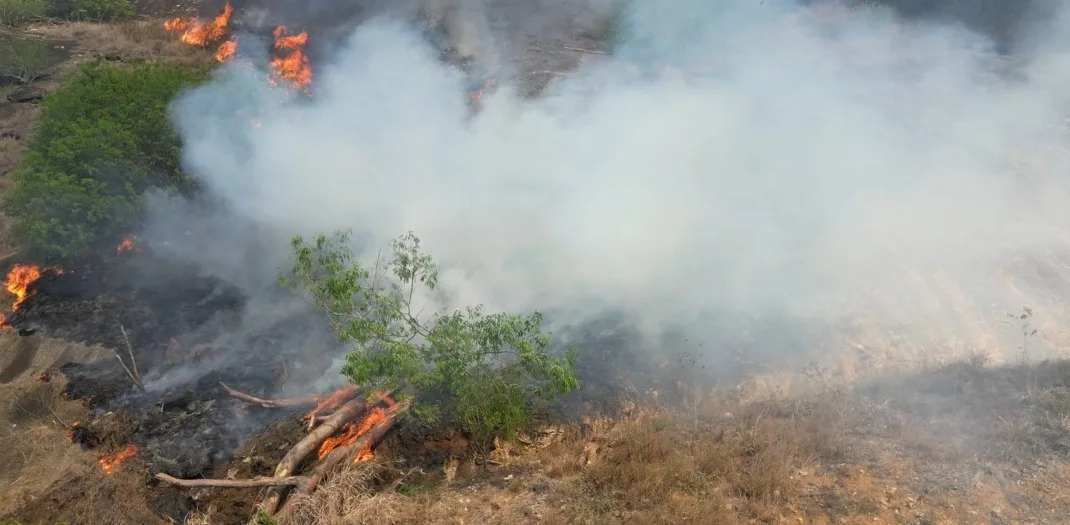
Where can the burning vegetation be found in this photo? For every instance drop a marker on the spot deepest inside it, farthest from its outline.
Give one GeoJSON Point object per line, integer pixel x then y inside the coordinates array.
{"type": "Point", "coordinates": [290, 65]}
{"type": "Point", "coordinates": [204, 33]}
{"type": "Point", "coordinates": [110, 462]}
{"type": "Point", "coordinates": [129, 243]}
{"type": "Point", "coordinates": [18, 282]}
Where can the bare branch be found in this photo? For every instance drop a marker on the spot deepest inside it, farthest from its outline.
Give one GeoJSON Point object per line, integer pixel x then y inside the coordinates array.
{"type": "Point", "coordinates": [135, 375]}
{"type": "Point", "coordinates": [271, 403]}
{"type": "Point", "coordinates": [262, 481]}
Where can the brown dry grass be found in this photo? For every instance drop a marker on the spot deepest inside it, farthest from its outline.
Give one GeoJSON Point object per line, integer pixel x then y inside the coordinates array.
{"type": "Point", "coordinates": [128, 41]}
{"type": "Point", "coordinates": [34, 449]}
{"type": "Point", "coordinates": [926, 447]}
{"type": "Point", "coordinates": [45, 478]}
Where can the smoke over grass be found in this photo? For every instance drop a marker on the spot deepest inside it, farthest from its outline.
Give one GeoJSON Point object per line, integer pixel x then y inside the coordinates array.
{"type": "Point", "coordinates": [830, 167]}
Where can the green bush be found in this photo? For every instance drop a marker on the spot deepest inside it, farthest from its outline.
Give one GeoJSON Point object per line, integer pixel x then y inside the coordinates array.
{"type": "Point", "coordinates": [25, 59]}
{"type": "Point", "coordinates": [484, 373]}
{"type": "Point", "coordinates": [14, 12]}
{"type": "Point", "coordinates": [91, 10]}
{"type": "Point", "coordinates": [103, 140]}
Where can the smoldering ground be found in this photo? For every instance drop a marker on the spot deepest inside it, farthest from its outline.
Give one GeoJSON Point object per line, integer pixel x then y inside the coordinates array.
{"type": "Point", "coordinates": [827, 169]}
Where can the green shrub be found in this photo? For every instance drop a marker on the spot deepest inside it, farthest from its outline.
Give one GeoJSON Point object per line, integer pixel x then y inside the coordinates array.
{"type": "Point", "coordinates": [103, 140]}
{"type": "Point", "coordinates": [14, 12]}
{"type": "Point", "coordinates": [91, 10]}
{"type": "Point", "coordinates": [25, 59]}
{"type": "Point", "coordinates": [484, 373]}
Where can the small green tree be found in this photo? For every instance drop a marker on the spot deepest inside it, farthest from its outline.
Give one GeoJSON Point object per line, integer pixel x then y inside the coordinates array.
{"type": "Point", "coordinates": [25, 59]}
{"type": "Point", "coordinates": [103, 140]}
{"type": "Point", "coordinates": [484, 373]}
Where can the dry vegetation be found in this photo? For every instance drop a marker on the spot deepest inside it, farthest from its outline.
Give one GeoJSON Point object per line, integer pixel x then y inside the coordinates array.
{"type": "Point", "coordinates": [960, 443]}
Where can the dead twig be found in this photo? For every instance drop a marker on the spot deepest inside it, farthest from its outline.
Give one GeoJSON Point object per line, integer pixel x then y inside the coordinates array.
{"type": "Point", "coordinates": [582, 50]}
{"type": "Point", "coordinates": [262, 481]}
{"type": "Point", "coordinates": [270, 403]}
{"type": "Point", "coordinates": [134, 375]}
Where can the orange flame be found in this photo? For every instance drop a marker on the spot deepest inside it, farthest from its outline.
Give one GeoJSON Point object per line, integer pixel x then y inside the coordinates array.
{"type": "Point", "coordinates": [297, 41]}
{"type": "Point", "coordinates": [292, 67]}
{"type": "Point", "coordinates": [364, 454]}
{"type": "Point", "coordinates": [109, 462]}
{"type": "Point", "coordinates": [19, 280]}
{"type": "Point", "coordinates": [226, 49]}
{"type": "Point", "coordinates": [197, 32]}
{"type": "Point", "coordinates": [352, 431]}
{"type": "Point", "coordinates": [126, 245]}
{"type": "Point", "coordinates": [333, 400]}
{"type": "Point", "coordinates": [17, 283]}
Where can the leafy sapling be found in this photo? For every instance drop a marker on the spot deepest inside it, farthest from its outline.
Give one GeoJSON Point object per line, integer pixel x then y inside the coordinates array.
{"type": "Point", "coordinates": [484, 373]}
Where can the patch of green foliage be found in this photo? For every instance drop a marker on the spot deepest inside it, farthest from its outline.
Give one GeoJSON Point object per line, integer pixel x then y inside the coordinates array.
{"type": "Point", "coordinates": [16, 12]}
{"type": "Point", "coordinates": [261, 518]}
{"type": "Point", "coordinates": [484, 373]}
{"type": "Point", "coordinates": [104, 139]}
{"type": "Point", "coordinates": [91, 10]}
{"type": "Point", "coordinates": [25, 59]}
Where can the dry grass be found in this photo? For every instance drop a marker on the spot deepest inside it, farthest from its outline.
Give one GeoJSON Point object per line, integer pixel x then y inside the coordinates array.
{"type": "Point", "coordinates": [917, 448]}
{"type": "Point", "coordinates": [128, 41]}
{"type": "Point", "coordinates": [34, 448]}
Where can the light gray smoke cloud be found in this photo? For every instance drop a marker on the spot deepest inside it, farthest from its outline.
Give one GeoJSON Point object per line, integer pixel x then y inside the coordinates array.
{"type": "Point", "coordinates": [839, 167]}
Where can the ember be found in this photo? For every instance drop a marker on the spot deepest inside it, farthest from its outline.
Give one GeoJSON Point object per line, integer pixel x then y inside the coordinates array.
{"type": "Point", "coordinates": [126, 245]}
{"type": "Point", "coordinates": [110, 462]}
{"type": "Point", "coordinates": [351, 432]}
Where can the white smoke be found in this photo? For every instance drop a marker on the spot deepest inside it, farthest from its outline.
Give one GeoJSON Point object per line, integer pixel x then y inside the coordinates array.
{"type": "Point", "coordinates": [752, 157]}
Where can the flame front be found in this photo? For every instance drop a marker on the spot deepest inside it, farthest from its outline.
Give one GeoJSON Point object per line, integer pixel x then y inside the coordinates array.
{"type": "Point", "coordinates": [352, 431]}
{"type": "Point", "coordinates": [197, 32]}
{"type": "Point", "coordinates": [127, 244]}
{"type": "Point", "coordinates": [110, 462]}
{"type": "Point", "coordinates": [292, 67]}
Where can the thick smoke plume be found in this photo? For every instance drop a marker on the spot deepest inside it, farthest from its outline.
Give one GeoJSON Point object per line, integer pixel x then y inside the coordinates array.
{"type": "Point", "coordinates": [892, 181]}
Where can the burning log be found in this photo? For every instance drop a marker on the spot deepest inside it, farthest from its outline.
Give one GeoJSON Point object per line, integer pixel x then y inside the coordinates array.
{"type": "Point", "coordinates": [312, 442]}
{"type": "Point", "coordinates": [358, 450]}
{"type": "Point", "coordinates": [270, 403]}
{"type": "Point", "coordinates": [334, 400]}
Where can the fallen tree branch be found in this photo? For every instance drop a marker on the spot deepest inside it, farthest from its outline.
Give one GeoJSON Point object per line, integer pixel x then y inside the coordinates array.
{"type": "Point", "coordinates": [305, 484]}
{"type": "Point", "coordinates": [270, 403]}
{"type": "Point", "coordinates": [262, 481]}
{"type": "Point", "coordinates": [368, 441]}
{"type": "Point", "coordinates": [582, 50]}
{"type": "Point", "coordinates": [311, 443]}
